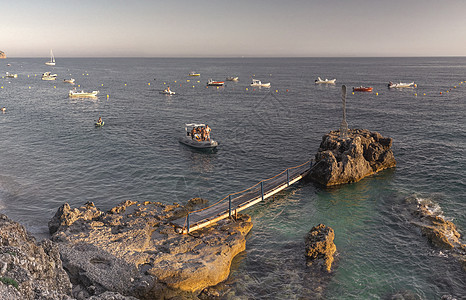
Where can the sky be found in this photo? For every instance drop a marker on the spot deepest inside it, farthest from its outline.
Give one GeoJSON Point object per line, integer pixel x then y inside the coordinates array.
{"type": "Point", "coordinates": [234, 28]}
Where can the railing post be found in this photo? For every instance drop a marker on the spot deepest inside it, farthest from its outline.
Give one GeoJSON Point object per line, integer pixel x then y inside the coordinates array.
{"type": "Point", "coordinates": [229, 206]}
{"type": "Point", "coordinates": [187, 222]}
{"type": "Point", "coordinates": [262, 190]}
{"type": "Point", "coordinates": [288, 177]}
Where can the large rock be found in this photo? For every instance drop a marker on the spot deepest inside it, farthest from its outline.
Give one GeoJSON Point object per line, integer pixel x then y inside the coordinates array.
{"type": "Point", "coordinates": [29, 270]}
{"type": "Point", "coordinates": [2, 54]}
{"type": "Point", "coordinates": [132, 249]}
{"type": "Point", "coordinates": [441, 233]}
{"type": "Point", "coordinates": [320, 248]}
{"type": "Point", "coordinates": [340, 161]}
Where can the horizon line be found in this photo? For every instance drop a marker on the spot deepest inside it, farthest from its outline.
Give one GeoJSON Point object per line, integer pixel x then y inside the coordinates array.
{"type": "Point", "coordinates": [243, 56]}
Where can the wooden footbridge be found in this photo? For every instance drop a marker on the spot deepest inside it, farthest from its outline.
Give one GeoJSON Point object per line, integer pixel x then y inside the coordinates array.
{"type": "Point", "coordinates": [236, 202]}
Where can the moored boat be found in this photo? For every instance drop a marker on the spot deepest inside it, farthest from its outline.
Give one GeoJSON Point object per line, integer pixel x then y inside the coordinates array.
{"type": "Point", "coordinates": [232, 78]}
{"type": "Point", "coordinates": [52, 59]}
{"type": "Point", "coordinates": [70, 81]}
{"type": "Point", "coordinates": [49, 76]}
{"type": "Point", "coordinates": [362, 89]}
{"type": "Point", "coordinates": [82, 94]}
{"type": "Point", "coordinates": [402, 85]}
{"type": "Point", "coordinates": [211, 82]}
{"type": "Point", "coordinates": [326, 81]}
{"type": "Point", "coordinates": [10, 75]}
{"type": "Point", "coordinates": [258, 83]}
{"type": "Point", "coordinates": [198, 136]}
{"type": "Point", "coordinates": [194, 74]}
{"type": "Point", "coordinates": [167, 92]}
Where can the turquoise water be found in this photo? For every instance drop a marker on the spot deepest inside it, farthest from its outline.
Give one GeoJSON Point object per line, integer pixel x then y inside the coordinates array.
{"type": "Point", "coordinates": [51, 153]}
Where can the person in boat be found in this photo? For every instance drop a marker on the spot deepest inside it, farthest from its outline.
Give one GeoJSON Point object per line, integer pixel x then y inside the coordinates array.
{"type": "Point", "coordinates": [193, 132]}
{"type": "Point", "coordinates": [207, 132]}
{"type": "Point", "coordinates": [99, 121]}
{"type": "Point", "coordinates": [168, 89]}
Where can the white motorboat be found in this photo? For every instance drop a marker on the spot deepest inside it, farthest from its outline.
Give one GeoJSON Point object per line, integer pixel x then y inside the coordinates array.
{"type": "Point", "coordinates": [232, 78]}
{"type": "Point", "coordinates": [70, 81]}
{"type": "Point", "coordinates": [194, 74]}
{"type": "Point", "coordinates": [82, 94]}
{"type": "Point", "coordinates": [211, 82]}
{"type": "Point", "coordinates": [258, 83]}
{"type": "Point", "coordinates": [49, 76]}
{"type": "Point", "coordinates": [167, 92]}
{"type": "Point", "coordinates": [193, 137]}
{"type": "Point", "coordinates": [9, 75]}
{"type": "Point", "coordinates": [52, 59]}
{"type": "Point", "coordinates": [402, 85]}
{"type": "Point", "coordinates": [326, 81]}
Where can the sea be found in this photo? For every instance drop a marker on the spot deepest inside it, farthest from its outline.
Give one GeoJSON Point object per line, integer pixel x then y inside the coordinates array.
{"type": "Point", "coordinates": [51, 153]}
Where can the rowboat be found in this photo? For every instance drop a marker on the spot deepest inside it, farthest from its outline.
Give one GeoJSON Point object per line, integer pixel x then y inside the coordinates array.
{"type": "Point", "coordinates": [82, 94]}
{"type": "Point", "coordinates": [326, 81]}
{"type": "Point", "coordinates": [362, 89]}
{"type": "Point", "coordinates": [258, 83]}
{"type": "Point", "coordinates": [194, 74]}
{"type": "Point", "coordinates": [167, 92]}
{"type": "Point", "coordinates": [211, 82]}
{"type": "Point", "coordinates": [402, 85]}
{"type": "Point", "coordinates": [193, 138]}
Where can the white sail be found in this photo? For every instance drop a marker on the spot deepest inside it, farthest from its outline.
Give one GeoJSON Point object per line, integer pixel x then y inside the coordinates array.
{"type": "Point", "coordinates": [52, 59]}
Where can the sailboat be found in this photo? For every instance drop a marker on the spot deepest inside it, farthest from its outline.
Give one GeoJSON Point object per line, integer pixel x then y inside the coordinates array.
{"type": "Point", "coordinates": [52, 59]}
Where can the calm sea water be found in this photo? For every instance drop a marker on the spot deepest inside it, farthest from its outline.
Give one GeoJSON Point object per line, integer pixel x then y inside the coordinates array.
{"type": "Point", "coordinates": [51, 153]}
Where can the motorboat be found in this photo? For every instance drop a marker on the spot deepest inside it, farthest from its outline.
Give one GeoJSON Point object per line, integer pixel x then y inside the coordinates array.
{"type": "Point", "coordinates": [82, 94]}
{"type": "Point", "coordinates": [194, 138]}
{"type": "Point", "coordinates": [402, 85]}
{"type": "Point", "coordinates": [49, 76]}
{"type": "Point", "coordinates": [232, 78]}
{"type": "Point", "coordinates": [70, 81]}
{"type": "Point", "coordinates": [3, 109]}
{"type": "Point", "coordinates": [326, 81]}
{"type": "Point", "coordinates": [194, 74]}
{"type": "Point", "coordinates": [211, 82]}
{"type": "Point", "coordinates": [9, 75]}
{"type": "Point", "coordinates": [51, 62]}
{"type": "Point", "coordinates": [362, 89]}
{"type": "Point", "coordinates": [99, 124]}
{"type": "Point", "coordinates": [167, 92]}
{"type": "Point", "coordinates": [258, 83]}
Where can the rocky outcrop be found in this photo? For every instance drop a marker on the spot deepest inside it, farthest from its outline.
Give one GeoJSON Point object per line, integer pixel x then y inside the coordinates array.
{"type": "Point", "coordinates": [29, 270]}
{"type": "Point", "coordinates": [2, 55]}
{"type": "Point", "coordinates": [441, 233]}
{"type": "Point", "coordinates": [320, 248]}
{"type": "Point", "coordinates": [340, 161]}
{"type": "Point", "coordinates": [132, 249]}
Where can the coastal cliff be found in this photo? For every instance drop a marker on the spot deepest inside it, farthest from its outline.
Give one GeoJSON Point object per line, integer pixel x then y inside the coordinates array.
{"type": "Point", "coordinates": [2, 55]}
{"type": "Point", "coordinates": [132, 249]}
{"type": "Point", "coordinates": [345, 160]}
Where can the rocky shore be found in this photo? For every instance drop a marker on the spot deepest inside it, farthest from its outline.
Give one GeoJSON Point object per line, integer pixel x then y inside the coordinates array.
{"type": "Point", "coordinates": [130, 252]}
{"type": "Point", "coordinates": [345, 160]}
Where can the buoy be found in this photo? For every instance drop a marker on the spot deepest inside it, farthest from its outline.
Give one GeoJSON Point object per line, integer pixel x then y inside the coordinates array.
{"type": "Point", "coordinates": [164, 83]}
{"type": "Point", "coordinates": [87, 74]}
{"type": "Point", "coordinates": [80, 85]}
{"type": "Point", "coordinates": [455, 86]}
{"type": "Point", "coordinates": [29, 87]}
{"type": "Point", "coordinates": [276, 91]}
{"type": "Point", "coordinates": [217, 88]}
{"type": "Point", "coordinates": [440, 93]}
{"type": "Point", "coordinates": [148, 83]}
{"type": "Point", "coordinates": [125, 84]}
{"type": "Point", "coordinates": [54, 87]}
{"type": "Point", "coordinates": [2, 87]}
{"type": "Point", "coordinates": [424, 94]}
{"type": "Point", "coordinates": [287, 90]}
{"type": "Point", "coordinates": [376, 94]}
{"type": "Point", "coordinates": [102, 84]}
{"type": "Point", "coordinates": [198, 81]}
{"type": "Point", "coordinates": [415, 94]}
{"type": "Point", "coordinates": [28, 76]}
{"type": "Point", "coordinates": [246, 88]}
{"type": "Point", "coordinates": [193, 86]}
{"type": "Point", "coordinates": [175, 81]}
{"type": "Point", "coordinates": [108, 96]}
{"type": "Point", "coordinates": [83, 74]}
{"type": "Point", "coordinates": [187, 80]}
{"type": "Point", "coordinates": [352, 93]}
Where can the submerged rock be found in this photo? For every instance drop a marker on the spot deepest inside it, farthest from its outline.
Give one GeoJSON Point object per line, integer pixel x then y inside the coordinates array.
{"type": "Point", "coordinates": [132, 249]}
{"type": "Point", "coordinates": [340, 161]}
{"type": "Point", "coordinates": [320, 248]}
{"type": "Point", "coordinates": [29, 270]}
{"type": "Point", "coordinates": [441, 233]}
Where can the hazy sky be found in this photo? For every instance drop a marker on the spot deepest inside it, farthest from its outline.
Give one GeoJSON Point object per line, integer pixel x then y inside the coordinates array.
{"type": "Point", "coordinates": [217, 28]}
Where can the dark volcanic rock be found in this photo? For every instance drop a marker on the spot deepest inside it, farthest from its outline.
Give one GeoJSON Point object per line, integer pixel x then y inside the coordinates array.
{"type": "Point", "coordinates": [29, 270]}
{"type": "Point", "coordinates": [320, 247]}
{"type": "Point", "coordinates": [134, 250]}
{"type": "Point", "coordinates": [340, 161]}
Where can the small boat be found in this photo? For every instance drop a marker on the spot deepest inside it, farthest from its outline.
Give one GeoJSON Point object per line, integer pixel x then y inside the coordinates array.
{"type": "Point", "coordinates": [3, 109]}
{"type": "Point", "coordinates": [231, 78]}
{"type": "Point", "coordinates": [258, 83]}
{"type": "Point", "coordinates": [402, 85]}
{"type": "Point", "coordinates": [52, 59]}
{"type": "Point", "coordinates": [99, 124]}
{"type": "Point", "coordinates": [193, 139]}
{"type": "Point", "coordinates": [215, 83]}
{"type": "Point", "coordinates": [9, 75]}
{"type": "Point", "coordinates": [82, 94]}
{"type": "Point", "coordinates": [326, 81]}
{"type": "Point", "coordinates": [362, 89]}
{"type": "Point", "coordinates": [167, 92]}
{"type": "Point", "coordinates": [70, 81]}
{"type": "Point", "coordinates": [49, 76]}
{"type": "Point", "coordinates": [194, 74]}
